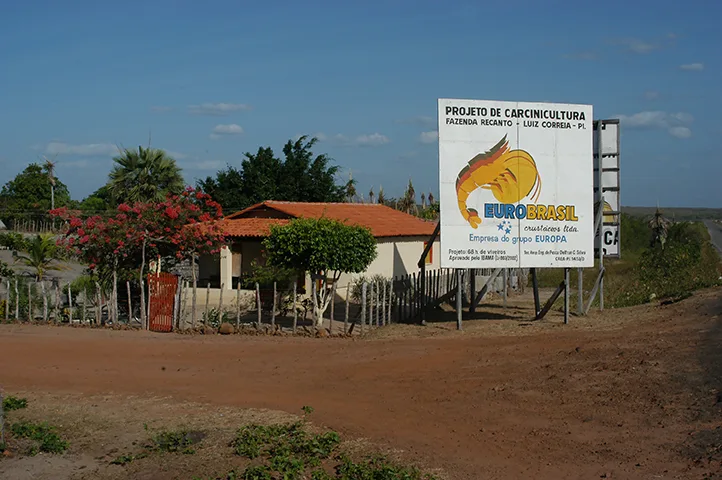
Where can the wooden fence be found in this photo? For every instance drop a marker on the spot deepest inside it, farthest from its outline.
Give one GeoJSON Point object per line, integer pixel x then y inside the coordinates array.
{"type": "Point", "coordinates": [354, 308]}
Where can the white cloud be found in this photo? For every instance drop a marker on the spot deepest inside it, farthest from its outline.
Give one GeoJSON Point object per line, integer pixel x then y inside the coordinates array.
{"type": "Point", "coordinates": [370, 140]}
{"type": "Point", "coordinates": [429, 137]}
{"type": "Point", "coordinates": [692, 67]}
{"type": "Point", "coordinates": [89, 149]}
{"type": "Point", "coordinates": [420, 120]}
{"type": "Point", "coordinates": [373, 140]}
{"type": "Point", "coordinates": [680, 132]}
{"type": "Point", "coordinates": [217, 109]}
{"type": "Point", "coordinates": [635, 45]}
{"type": "Point", "coordinates": [676, 124]}
{"type": "Point", "coordinates": [160, 109]}
{"type": "Point", "coordinates": [226, 130]}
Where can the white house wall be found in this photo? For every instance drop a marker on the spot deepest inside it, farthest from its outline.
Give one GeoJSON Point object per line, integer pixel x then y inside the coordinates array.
{"type": "Point", "coordinates": [397, 256]}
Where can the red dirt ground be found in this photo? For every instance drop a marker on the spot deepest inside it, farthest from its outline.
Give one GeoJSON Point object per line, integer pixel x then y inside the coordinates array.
{"type": "Point", "coordinates": [634, 393]}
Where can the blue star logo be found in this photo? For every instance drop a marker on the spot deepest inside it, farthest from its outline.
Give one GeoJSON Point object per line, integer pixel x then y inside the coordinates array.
{"type": "Point", "coordinates": [501, 226]}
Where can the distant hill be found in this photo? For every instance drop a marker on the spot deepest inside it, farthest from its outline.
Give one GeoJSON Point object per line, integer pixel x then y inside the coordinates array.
{"type": "Point", "coordinates": [678, 213]}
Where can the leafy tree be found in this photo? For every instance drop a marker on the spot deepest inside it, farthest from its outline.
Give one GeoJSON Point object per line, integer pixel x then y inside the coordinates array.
{"type": "Point", "coordinates": [42, 253]}
{"type": "Point", "coordinates": [98, 201]}
{"type": "Point", "coordinates": [226, 188]}
{"type": "Point", "coordinates": [326, 248]}
{"type": "Point", "coordinates": [431, 212]}
{"type": "Point", "coordinates": [146, 175]}
{"type": "Point", "coordinates": [308, 178]}
{"type": "Point", "coordinates": [301, 176]}
{"type": "Point", "coordinates": [27, 196]}
{"type": "Point", "coordinates": [181, 227]}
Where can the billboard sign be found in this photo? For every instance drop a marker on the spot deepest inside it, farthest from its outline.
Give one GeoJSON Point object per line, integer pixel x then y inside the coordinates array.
{"type": "Point", "coordinates": [516, 184]}
{"type": "Point", "coordinates": [610, 185]}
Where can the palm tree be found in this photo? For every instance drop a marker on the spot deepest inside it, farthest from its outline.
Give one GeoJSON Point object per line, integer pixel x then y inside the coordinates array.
{"type": "Point", "coordinates": [350, 189]}
{"type": "Point", "coordinates": [146, 175]}
{"type": "Point", "coordinates": [408, 201]}
{"type": "Point", "coordinates": [42, 252]}
{"type": "Point", "coordinates": [660, 227]}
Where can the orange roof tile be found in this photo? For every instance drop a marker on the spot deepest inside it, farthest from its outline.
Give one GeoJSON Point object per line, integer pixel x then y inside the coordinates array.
{"type": "Point", "coordinates": [249, 227]}
{"type": "Point", "coordinates": [383, 221]}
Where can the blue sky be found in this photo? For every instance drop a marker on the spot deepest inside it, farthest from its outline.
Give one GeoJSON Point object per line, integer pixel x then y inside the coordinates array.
{"type": "Point", "coordinates": [214, 79]}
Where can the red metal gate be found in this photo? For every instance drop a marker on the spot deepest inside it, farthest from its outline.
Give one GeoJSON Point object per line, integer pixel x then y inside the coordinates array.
{"type": "Point", "coordinates": [162, 290]}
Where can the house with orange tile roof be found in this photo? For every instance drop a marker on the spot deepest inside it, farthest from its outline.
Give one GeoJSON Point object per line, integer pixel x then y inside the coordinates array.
{"type": "Point", "coordinates": [401, 238]}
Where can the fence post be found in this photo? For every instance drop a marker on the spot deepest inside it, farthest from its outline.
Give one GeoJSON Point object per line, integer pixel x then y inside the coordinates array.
{"type": "Point", "coordinates": [98, 304]}
{"type": "Point", "coordinates": [194, 305]}
{"type": "Point", "coordinates": [345, 317]}
{"type": "Point", "coordinates": [30, 304]}
{"type": "Point", "coordinates": [85, 303]}
{"type": "Point", "coordinates": [383, 305]}
{"type": "Point", "coordinates": [273, 307]}
{"type": "Point", "coordinates": [150, 300]}
{"type": "Point", "coordinates": [208, 301]}
{"type": "Point", "coordinates": [57, 303]}
{"type": "Point", "coordinates": [363, 306]}
{"type": "Point", "coordinates": [258, 303]}
{"type": "Point", "coordinates": [130, 304]}
{"type": "Point", "coordinates": [391, 296]}
{"type": "Point", "coordinates": [371, 305]}
{"type": "Point", "coordinates": [238, 305]}
{"type": "Point", "coordinates": [333, 301]}
{"type": "Point", "coordinates": [17, 302]}
{"type": "Point", "coordinates": [295, 311]}
{"type": "Point", "coordinates": [45, 302]}
{"type": "Point", "coordinates": [315, 301]}
{"type": "Point", "coordinates": [70, 305]}
{"type": "Point", "coordinates": [220, 303]}
{"type": "Point", "coordinates": [116, 320]}
{"type": "Point", "coordinates": [177, 303]}
{"type": "Point", "coordinates": [7, 303]}
{"type": "Point", "coordinates": [458, 299]}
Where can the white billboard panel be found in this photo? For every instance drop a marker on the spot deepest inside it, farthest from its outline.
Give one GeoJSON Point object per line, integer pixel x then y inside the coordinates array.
{"type": "Point", "coordinates": [610, 178]}
{"type": "Point", "coordinates": [516, 184]}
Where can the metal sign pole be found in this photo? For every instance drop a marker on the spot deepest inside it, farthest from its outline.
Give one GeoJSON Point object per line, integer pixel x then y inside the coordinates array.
{"type": "Point", "coordinates": [601, 213]}
{"type": "Point", "coordinates": [566, 296]}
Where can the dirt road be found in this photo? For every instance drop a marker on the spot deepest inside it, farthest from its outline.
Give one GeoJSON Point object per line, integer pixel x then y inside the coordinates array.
{"type": "Point", "coordinates": [626, 394]}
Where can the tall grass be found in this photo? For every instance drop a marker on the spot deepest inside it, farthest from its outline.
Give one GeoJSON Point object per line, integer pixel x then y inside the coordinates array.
{"type": "Point", "coordinates": [647, 271]}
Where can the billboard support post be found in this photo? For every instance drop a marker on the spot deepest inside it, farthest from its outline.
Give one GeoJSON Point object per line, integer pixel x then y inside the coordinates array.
{"type": "Point", "coordinates": [600, 172]}
{"type": "Point", "coordinates": [566, 296]}
{"type": "Point", "coordinates": [580, 287]}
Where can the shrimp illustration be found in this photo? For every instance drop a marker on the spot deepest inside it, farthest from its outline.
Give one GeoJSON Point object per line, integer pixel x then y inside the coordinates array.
{"type": "Point", "coordinates": [509, 174]}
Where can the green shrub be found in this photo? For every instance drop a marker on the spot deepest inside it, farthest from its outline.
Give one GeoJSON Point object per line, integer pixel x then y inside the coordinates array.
{"type": "Point", "coordinates": [14, 403]}
{"type": "Point", "coordinates": [44, 435]}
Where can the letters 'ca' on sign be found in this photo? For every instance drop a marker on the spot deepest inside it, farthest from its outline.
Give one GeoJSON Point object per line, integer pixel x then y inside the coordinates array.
{"type": "Point", "coordinates": [516, 184]}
